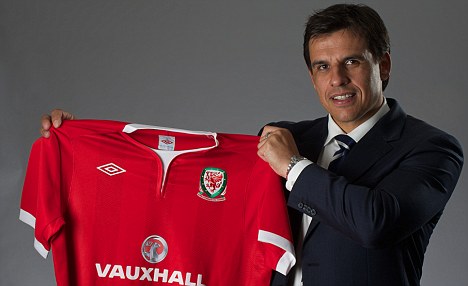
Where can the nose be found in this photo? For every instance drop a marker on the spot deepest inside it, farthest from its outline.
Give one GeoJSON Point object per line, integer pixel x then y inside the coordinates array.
{"type": "Point", "coordinates": [339, 76]}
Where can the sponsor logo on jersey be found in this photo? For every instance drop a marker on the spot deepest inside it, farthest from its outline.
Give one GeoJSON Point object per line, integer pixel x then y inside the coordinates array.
{"type": "Point", "coordinates": [213, 182]}
{"type": "Point", "coordinates": [154, 249]}
{"type": "Point", "coordinates": [111, 169]}
{"type": "Point", "coordinates": [148, 274]}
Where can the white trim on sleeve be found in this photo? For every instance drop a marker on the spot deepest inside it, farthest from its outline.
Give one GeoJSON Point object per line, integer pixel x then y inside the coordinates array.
{"type": "Point", "coordinates": [40, 248]}
{"type": "Point", "coordinates": [30, 220]}
{"type": "Point", "coordinates": [287, 261]}
{"type": "Point", "coordinates": [27, 218]}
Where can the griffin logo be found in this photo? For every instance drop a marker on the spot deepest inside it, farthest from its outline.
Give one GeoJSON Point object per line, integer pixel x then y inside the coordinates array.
{"type": "Point", "coordinates": [154, 249]}
{"type": "Point", "coordinates": [213, 183]}
{"type": "Point", "coordinates": [111, 169]}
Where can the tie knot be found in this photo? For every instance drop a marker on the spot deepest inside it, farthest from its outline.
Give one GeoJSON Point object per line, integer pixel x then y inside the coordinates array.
{"type": "Point", "coordinates": [345, 141]}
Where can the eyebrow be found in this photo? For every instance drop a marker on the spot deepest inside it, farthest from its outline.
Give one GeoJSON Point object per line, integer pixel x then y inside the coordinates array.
{"type": "Point", "coordinates": [356, 56]}
{"type": "Point", "coordinates": [316, 63]}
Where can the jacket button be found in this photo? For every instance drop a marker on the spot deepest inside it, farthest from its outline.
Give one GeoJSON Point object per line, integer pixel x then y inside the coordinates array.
{"type": "Point", "coordinates": [313, 212]}
{"type": "Point", "coordinates": [300, 205]}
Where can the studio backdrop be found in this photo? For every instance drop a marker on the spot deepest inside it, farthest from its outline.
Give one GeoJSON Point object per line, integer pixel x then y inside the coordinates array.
{"type": "Point", "coordinates": [221, 66]}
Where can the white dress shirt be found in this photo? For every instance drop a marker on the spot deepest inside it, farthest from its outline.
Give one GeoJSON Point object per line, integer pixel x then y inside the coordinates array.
{"type": "Point", "coordinates": [329, 148]}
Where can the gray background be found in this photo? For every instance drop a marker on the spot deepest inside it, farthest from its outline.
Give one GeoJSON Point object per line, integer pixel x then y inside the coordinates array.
{"type": "Point", "coordinates": [226, 66]}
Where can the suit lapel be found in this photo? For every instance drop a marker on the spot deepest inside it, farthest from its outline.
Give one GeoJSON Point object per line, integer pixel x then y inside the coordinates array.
{"type": "Point", "coordinates": [375, 144]}
{"type": "Point", "coordinates": [311, 141]}
{"type": "Point", "coordinates": [363, 156]}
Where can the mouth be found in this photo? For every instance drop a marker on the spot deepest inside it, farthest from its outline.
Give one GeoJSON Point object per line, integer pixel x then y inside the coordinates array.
{"type": "Point", "coordinates": [343, 96]}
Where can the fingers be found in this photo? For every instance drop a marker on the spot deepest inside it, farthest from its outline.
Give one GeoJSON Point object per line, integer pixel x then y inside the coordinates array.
{"type": "Point", "coordinates": [277, 135]}
{"type": "Point", "coordinates": [268, 130]}
{"type": "Point", "coordinates": [58, 115]}
{"type": "Point", "coordinates": [276, 147]}
{"type": "Point", "coordinates": [45, 125]}
{"type": "Point", "coordinates": [266, 133]}
{"type": "Point", "coordinates": [56, 118]}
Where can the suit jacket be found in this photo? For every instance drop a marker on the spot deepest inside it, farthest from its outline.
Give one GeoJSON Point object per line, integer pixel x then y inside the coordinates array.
{"type": "Point", "coordinates": [371, 224]}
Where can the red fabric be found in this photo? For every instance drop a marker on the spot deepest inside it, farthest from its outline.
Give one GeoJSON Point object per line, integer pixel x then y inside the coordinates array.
{"type": "Point", "coordinates": [96, 222]}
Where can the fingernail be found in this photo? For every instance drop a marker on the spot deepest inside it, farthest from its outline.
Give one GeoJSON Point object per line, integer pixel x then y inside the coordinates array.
{"type": "Point", "coordinates": [56, 123]}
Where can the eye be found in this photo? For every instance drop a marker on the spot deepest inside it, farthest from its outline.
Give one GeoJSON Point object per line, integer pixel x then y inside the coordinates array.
{"type": "Point", "coordinates": [351, 62]}
{"type": "Point", "coordinates": [321, 67]}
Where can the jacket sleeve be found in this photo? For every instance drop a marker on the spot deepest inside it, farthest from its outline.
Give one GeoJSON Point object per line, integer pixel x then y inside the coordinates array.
{"type": "Point", "coordinates": [410, 191]}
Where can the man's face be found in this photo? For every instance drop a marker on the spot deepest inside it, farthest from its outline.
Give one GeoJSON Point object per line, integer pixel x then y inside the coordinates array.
{"type": "Point", "coordinates": [347, 78]}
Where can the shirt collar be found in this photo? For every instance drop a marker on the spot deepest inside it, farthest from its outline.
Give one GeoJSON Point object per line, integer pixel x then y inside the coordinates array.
{"type": "Point", "coordinates": [358, 132]}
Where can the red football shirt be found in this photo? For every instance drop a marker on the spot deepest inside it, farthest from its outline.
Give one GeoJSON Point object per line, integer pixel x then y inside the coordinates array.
{"type": "Point", "coordinates": [129, 204]}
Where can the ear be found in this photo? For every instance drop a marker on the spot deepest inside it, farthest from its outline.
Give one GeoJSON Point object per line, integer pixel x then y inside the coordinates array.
{"type": "Point", "coordinates": [385, 66]}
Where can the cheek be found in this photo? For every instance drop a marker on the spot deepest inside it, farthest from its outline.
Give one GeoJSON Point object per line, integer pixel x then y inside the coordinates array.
{"type": "Point", "coordinates": [322, 95]}
{"type": "Point", "coordinates": [374, 84]}
{"type": "Point", "coordinates": [319, 85]}
{"type": "Point", "coordinates": [365, 82]}
{"type": "Point", "coordinates": [326, 104]}
{"type": "Point", "coordinates": [374, 81]}
{"type": "Point", "coordinates": [314, 81]}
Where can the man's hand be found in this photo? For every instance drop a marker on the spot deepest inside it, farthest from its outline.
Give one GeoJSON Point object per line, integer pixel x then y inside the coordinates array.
{"type": "Point", "coordinates": [276, 147]}
{"type": "Point", "coordinates": [56, 117]}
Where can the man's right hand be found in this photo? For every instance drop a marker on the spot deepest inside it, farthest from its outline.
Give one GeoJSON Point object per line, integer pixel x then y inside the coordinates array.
{"type": "Point", "coordinates": [56, 117]}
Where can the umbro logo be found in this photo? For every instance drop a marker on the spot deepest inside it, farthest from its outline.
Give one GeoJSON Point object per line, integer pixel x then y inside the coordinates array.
{"type": "Point", "coordinates": [111, 169]}
{"type": "Point", "coordinates": [167, 142]}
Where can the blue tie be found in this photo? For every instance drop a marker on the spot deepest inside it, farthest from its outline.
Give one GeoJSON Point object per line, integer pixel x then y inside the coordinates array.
{"type": "Point", "coordinates": [345, 142]}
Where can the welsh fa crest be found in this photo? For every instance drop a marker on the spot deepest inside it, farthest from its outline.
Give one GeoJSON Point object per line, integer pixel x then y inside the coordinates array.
{"type": "Point", "coordinates": [213, 184]}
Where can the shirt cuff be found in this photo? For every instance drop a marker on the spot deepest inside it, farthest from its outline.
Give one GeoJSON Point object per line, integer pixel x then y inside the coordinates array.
{"type": "Point", "coordinates": [295, 172]}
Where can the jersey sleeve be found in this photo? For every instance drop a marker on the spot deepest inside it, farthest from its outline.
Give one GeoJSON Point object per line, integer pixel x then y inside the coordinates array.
{"type": "Point", "coordinates": [41, 203]}
{"type": "Point", "coordinates": [274, 232]}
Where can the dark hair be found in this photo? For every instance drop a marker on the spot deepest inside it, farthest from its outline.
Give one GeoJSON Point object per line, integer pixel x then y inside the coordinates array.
{"type": "Point", "coordinates": [358, 18]}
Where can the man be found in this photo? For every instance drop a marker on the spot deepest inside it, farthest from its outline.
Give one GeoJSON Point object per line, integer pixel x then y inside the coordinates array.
{"type": "Point", "coordinates": [367, 222]}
